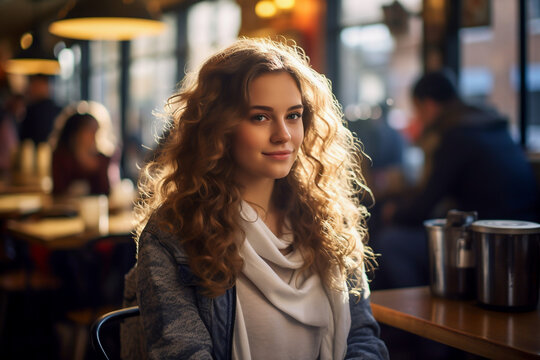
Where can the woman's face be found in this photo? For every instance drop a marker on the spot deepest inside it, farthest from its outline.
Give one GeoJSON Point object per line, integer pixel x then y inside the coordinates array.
{"type": "Point", "coordinates": [86, 137]}
{"type": "Point", "coordinates": [266, 141]}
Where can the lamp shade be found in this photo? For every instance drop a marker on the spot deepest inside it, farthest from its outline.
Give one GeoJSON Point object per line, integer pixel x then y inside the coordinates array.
{"type": "Point", "coordinates": [106, 20]}
{"type": "Point", "coordinates": [33, 60]}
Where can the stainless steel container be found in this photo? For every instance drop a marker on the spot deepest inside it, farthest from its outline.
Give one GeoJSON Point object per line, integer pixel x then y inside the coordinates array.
{"type": "Point", "coordinates": [508, 264]}
{"type": "Point", "coordinates": [451, 259]}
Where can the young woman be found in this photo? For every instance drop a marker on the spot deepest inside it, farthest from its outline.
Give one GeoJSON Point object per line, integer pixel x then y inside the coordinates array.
{"type": "Point", "coordinates": [83, 158]}
{"type": "Point", "coordinates": [250, 240]}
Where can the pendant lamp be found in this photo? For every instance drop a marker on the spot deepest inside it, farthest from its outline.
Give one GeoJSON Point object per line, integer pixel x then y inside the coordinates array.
{"type": "Point", "coordinates": [106, 20]}
{"type": "Point", "coordinates": [32, 58]}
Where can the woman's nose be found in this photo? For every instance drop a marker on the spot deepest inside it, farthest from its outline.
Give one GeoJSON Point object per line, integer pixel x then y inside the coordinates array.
{"type": "Point", "coordinates": [280, 132]}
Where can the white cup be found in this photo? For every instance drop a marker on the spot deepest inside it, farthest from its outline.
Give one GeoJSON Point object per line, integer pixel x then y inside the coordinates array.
{"type": "Point", "coordinates": [43, 159]}
{"type": "Point", "coordinates": [122, 195]}
{"type": "Point", "coordinates": [28, 157]}
{"type": "Point", "coordinates": [94, 211]}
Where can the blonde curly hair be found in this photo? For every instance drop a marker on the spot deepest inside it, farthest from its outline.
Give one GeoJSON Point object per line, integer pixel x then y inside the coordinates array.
{"type": "Point", "coordinates": [191, 179]}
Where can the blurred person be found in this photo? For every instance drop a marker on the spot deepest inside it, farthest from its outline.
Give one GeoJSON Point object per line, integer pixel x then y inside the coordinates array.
{"type": "Point", "coordinates": [471, 161]}
{"type": "Point", "coordinates": [16, 106]}
{"type": "Point", "coordinates": [251, 241]}
{"type": "Point", "coordinates": [471, 164]}
{"type": "Point", "coordinates": [84, 156]}
{"type": "Point", "coordinates": [8, 141]}
{"type": "Point", "coordinates": [84, 162]}
{"type": "Point", "coordinates": [41, 110]}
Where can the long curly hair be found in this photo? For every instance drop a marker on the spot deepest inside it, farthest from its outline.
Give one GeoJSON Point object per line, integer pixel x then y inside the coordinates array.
{"type": "Point", "coordinates": [191, 178]}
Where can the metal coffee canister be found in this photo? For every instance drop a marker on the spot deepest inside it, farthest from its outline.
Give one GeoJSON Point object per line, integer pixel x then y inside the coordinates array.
{"type": "Point", "coordinates": [508, 264]}
{"type": "Point", "coordinates": [451, 255]}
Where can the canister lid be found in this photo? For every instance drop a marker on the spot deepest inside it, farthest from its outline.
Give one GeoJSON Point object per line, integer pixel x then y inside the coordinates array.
{"type": "Point", "coordinates": [505, 227]}
{"type": "Point", "coordinates": [435, 223]}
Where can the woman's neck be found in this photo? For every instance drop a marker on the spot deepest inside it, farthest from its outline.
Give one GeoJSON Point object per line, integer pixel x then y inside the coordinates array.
{"type": "Point", "coordinates": [259, 196]}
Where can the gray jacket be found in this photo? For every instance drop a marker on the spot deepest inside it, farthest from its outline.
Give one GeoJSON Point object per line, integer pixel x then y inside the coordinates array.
{"type": "Point", "coordinates": [178, 322]}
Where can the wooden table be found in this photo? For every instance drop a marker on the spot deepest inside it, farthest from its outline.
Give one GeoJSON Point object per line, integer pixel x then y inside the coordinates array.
{"type": "Point", "coordinates": [68, 232]}
{"type": "Point", "coordinates": [20, 183]}
{"type": "Point", "coordinates": [461, 324]}
{"type": "Point", "coordinates": [14, 205]}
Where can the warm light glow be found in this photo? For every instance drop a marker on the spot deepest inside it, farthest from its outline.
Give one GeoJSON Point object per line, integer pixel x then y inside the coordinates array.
{"type": "Point", "coordinates": [307, 15]}
{"type": "Point", "coordinates": [32, 66]}
{"type": "Point", "coordinates": [285, 4]}
{"type": "Point", "coordinates": [105, 28]}
{"type": "Point", "coordinates": [26, 40]}
{"type": "Point", "coordinates": [436, 4]}
{"type": "Point", "coordinates": [265, 9]}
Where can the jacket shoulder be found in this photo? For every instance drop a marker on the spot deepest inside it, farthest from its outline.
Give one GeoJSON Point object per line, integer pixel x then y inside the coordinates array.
{"type": "Point", "coordinates": [158, 232]}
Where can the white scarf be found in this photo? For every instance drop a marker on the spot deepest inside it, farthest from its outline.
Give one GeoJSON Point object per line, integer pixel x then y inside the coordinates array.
{"type": "Point", "coordinates": [306, 300]}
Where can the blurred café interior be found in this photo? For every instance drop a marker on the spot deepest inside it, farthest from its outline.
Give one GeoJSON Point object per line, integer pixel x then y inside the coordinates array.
{"type": "Point", "coordinates": [66, 216]}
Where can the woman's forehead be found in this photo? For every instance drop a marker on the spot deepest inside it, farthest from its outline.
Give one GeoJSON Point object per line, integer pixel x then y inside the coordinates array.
{"type": "Point", "coordinates": [274, 86]}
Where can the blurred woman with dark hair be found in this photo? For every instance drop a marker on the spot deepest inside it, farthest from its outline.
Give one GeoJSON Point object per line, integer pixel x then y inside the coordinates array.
{"type": "Point", "coordinates": [81, 165]}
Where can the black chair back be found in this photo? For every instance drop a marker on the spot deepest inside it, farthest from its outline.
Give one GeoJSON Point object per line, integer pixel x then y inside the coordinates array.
{"type": "Point", "coordinates": [104, 321]}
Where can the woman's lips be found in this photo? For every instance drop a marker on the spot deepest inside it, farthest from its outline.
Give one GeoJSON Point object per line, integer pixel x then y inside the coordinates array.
{"type": "Point", "coordinates": [278, 155]}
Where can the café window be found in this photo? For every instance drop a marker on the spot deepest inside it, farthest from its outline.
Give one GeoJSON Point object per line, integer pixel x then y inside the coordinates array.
{"type": "Point", "coordinates": [533, 40]}
{"type": "Point", "coordinates": [380, 47]}
{"type": "Point", "coordinates": [211, 25]}
{"type": "Point", "coordinates": [104, 79]}
{"type": "Point", "coordinates": [67, 85]}
{"type": "Point", "coordinates": [152, 79]}
{"type": "Point", "coordinates": [489, 64]}
{"type": "Point", "coordinates": [153, 76]}
{"type": "Point", "coordinates": [379, 57]}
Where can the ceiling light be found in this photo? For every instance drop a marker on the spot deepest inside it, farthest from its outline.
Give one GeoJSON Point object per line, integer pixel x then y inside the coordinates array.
{"type": "Point", "coordinates": [284, 4]}
{"type": "Point", "coordinates": [106, 20]}
{"type": "Point", "coordinates": [265, 9]}
{"type": "Point", "coordinates": [32, 59]}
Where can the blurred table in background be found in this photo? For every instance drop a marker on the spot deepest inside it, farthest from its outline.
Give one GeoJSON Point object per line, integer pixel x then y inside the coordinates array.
{"type": "Point", "coordinates": [20, 183]}
{"type": "Point", "coordinates": [22, 195]}
{"type": "Point", "coordinates": [52, 267]}
{"type": "Point", "coordinates": [461, 324]}
{"type": "Point", "coordinates": [57, 233]}
{"type": "Point", "coordinates": [19, 204]}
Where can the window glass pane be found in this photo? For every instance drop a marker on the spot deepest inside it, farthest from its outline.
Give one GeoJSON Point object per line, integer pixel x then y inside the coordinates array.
{"type": "Point", "coordinates": [105, 89]}
{"type": "Point", "coordinates": [211, 25]}
{"type": "Point", "coordinates": [365, 53]}
{"type": "Point", "coordinates": [67, 87]}
{"type": "Point", "coordinates": [379, 66]}
{"type": "Point", "coordinates": [533, 27]}
{"type": "Point", "coordinates": [489, 62]}
{"type": "Point", "coordinates": [355, 12]}
{"type": "Point", "coordinates": [378, 62]}
{"type": "Point", "coordinates": [153, 76]}
{"type": "Point", "coordinates": [105, 78]}
{"type": "Point", "coordinates": [104, 52]}
{"type": "Point", "coordinates": [164, 43]}
{"type": "Point", "coordinates": [152, 82]}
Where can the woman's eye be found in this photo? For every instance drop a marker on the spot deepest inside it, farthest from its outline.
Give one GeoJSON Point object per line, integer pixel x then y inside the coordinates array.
{"type": "Point", "coordinates": [258, 117]}
{"type": "Point", "coordinates": [294, 116]}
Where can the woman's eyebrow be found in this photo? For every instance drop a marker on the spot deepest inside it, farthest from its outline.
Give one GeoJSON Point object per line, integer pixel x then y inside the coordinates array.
{"type": "Point", "coordinates": [269, 108]}
{"type": "Point", "coordinates": [296, 107]}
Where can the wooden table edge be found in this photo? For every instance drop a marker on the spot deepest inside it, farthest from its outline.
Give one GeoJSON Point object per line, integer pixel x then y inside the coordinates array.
{"type": "Point", "coordinates": [452, 337]}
